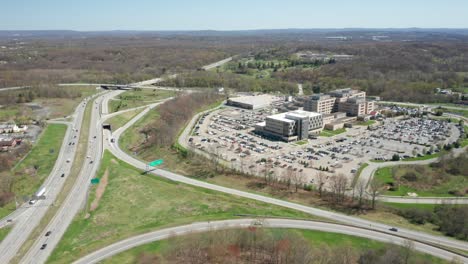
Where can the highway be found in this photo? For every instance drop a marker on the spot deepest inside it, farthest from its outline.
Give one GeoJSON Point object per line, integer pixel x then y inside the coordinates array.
{"type": "Point", "coordinates": [115, 149]}
{"type": "Point", "coordinates": [424, 105]}
{"type": "Point", "coordinates": [135, 241]}
{"type": "Point", "coordinates": [76, 199]}
{"type": "Point", "coordinates": [216, 64]}
{"type": "Point", "coordinates": [27, 217]}
{"type": "Point", "coordinates": [13, 88]}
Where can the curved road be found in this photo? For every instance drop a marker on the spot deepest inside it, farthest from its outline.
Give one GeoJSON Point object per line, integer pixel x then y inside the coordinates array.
{"type": "Point", "coordinates": [119, 153]}
{"type": "Point", "coordinates": [369, 171]}
{"type": "Point", "coordinates": [135, 241]}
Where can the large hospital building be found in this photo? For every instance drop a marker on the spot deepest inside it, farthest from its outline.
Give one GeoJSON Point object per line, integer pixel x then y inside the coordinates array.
{"type": "Point", "coordinates": [290, 126]}
{"type": "Point", "coordinates": [352, 102]}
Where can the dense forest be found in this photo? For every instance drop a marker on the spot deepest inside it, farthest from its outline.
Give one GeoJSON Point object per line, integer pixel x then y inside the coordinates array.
{"type": "Point", "coordinates": [407, 66]}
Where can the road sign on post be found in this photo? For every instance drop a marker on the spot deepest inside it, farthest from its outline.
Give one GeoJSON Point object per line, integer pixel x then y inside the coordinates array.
{"type": "Point", "coordinates": [94, 181]}
{"type": "Point", "coordinates": [156, 163]}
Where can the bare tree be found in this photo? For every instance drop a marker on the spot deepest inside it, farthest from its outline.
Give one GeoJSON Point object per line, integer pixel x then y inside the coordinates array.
{"type": "Point", "coordinates": [407, 252]}
{"type": "Point", "coordinates": [338, 188]}
{"type": "Point", "coordinates": [374, 189]}
{"type": "Point", "coordinates": [298, 179]}
{"type": "Point", "coordinates": [321, 182]}
{"type": "Point", "coordinates": [360, 190]}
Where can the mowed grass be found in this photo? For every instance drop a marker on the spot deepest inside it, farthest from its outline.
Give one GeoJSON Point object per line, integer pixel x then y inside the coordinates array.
{"type": "Point", "coordinates": [135, 203]}
{"type": "Point", "coordinates": [135, 98]}
{"type": "Point", "coordinates": [333, 241]}
{"type": "Point", "coordinates": [31, 172]}
{"type": "Point", "coordinates": [330, 133]}
{"type": "Point", "coordinates": [120, 120]}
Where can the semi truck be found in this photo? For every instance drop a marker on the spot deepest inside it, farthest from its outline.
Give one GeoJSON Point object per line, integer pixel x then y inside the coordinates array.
{"type": "Point", "coordinates": [38, 194]}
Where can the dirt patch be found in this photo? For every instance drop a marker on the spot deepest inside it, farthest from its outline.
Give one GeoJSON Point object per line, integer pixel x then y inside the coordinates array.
{"type": "Point", "coordinates": [100, 191]}
{"type": "Point", "coordinates": [114, 161]}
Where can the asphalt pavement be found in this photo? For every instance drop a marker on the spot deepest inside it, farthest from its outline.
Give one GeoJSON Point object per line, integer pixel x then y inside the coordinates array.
{"type": "Point", "coordinates": [166, 233]}
{"type": "Point", "coordinates": [440, 240]}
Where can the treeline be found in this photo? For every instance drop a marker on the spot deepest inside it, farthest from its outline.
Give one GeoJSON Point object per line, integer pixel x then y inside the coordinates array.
{"type": "Point", "coordinates": [173, 116]}
{"type": "Point", "coordinates": [258, 245]}
{"type": "Point", "coordinates": [449, 219]}
{"type": "Point", "coordinates": [229, 80]}
{"type": "Point", "coordinates": [43, 91]}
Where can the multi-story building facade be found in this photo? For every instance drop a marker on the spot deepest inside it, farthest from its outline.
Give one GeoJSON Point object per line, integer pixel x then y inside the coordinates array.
{"type": "Point", "coordinates": [320, 103]}
{"type": "Point", "coordinates": [290, 126]}
{"type": "Point", "coordinates": [352, 102]}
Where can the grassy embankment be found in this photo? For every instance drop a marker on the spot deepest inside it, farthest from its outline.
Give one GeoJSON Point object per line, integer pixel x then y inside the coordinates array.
{"type": "Point", "coordinates": [37, 165]}
{"type": "Point", "coordinates": [4, 232]}
{"type": "Point", "coordinates": [135, 98]}
{"type": "Point", "coordinates": [330, 133]}
{"type": "Point", "coordinates": [388, 175]}
{"type": "Point", "coordinates": [315, 239]}
{"type": "Point", "coordinates": [129, 202]}
{"type": "Point", "coordinates": [120, 120]}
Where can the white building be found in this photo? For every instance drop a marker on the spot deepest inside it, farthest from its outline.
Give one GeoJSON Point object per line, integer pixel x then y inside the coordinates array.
{"type": "Point", "coordinates": [291, 126]}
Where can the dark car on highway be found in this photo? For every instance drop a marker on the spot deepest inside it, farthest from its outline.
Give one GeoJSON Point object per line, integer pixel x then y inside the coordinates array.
{"type": "Point", "coordinates": [393, 229]}
{"type": "Point", "coordinates": [48, 233]}
{"type": "Point", "coordinates": [43, 246]}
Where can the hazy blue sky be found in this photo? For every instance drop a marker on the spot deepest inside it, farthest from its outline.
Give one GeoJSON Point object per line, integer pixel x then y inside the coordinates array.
{"type": "Point", "coordinates": [229, 15]}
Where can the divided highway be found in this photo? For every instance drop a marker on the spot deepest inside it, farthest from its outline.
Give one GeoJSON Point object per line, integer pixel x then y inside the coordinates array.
{"type": "Point", "coordinates": [27, 217]}
{"type": "Point", "coordinates": [76, 199]}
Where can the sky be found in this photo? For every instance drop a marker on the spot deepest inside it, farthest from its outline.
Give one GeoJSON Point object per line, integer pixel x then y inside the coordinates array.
{"type": "Point", "coordinates": [94, 15]}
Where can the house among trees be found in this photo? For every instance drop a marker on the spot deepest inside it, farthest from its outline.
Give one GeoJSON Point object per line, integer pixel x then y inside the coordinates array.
{"type": "Point", "coordinates": [12, 128]}
{"type": "Point", "coordinates": [6, 144]}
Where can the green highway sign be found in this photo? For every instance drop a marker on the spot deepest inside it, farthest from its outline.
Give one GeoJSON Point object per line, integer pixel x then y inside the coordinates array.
{"type": "Point", "coordinates": [94, 181]}
{"type": "Point", "coordinates": [156, 162]}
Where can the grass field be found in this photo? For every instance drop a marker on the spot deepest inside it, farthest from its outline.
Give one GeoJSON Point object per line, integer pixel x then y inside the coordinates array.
{"type": "Point", "coordinates": [135, 98]}
{"type": "Point", "coordinates": [425, 157]}
{"type": "Point", "coordinates": [11, 112]}
{"type": "Point", "coordinates": [4, 232]}
{"type": "Point", "coordinates": [120, 120]}
{"type": "Point", "coordinates": [365, 123]}
{"type": "Point", "coordinates": [314, 238]}
{"type": "Point", "coordinates": [37, 165]}
{"type": "Point", "coordinates": [330, 133]}
{"type": "Point", "coordinates": [386, 176]}
{"type": "Point", "coordinates": [133, 203]}
{"type": "Point", "coordinates": [53, 107]}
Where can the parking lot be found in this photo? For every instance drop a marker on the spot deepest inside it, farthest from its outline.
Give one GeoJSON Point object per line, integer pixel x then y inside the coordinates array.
{"type": "Point", "coordinates": [228, 134]}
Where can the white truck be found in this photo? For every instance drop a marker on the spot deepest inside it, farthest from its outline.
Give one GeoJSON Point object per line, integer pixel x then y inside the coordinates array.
{"type": "Point", "coordinates": [38, 194]}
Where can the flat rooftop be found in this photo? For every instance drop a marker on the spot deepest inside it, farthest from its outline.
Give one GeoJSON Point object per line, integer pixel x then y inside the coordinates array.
{"type": "Point", "coordinates": [296, 113]}
{"type": "Point", "coordinates": [259, 100]}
